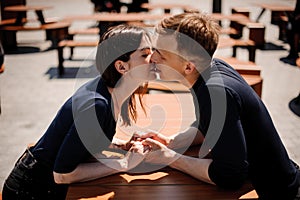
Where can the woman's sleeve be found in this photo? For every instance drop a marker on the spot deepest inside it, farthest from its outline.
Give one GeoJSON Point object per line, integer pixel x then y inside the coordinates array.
{"type": "Point", "coordinates": [84, 138]}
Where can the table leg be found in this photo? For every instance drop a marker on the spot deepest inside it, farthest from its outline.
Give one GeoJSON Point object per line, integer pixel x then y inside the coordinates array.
{"type": "Point", "coordinates": [260, 14]}
{"type": "Point", "coordinates": [60, 51]}
{"type": "Point", "coordinates": [9, 40]}
{"type": "Point", "coordinates": [40, 15]}
{"type": "Point", "coordinates": [167, 10]}
{"type": "Point", "coordinates": [56, 35]}
{"type": "Point", "coordinates": [20, 16]}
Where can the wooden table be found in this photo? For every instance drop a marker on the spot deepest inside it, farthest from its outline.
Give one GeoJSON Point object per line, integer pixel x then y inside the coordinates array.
{"type": "Point", "coordinates": [22, 9]}
{"type": "Point", "coordinates": [274, 8]}
{"type": "Point", "coordinates": [162, 184]}
{"type": "Point", "coordinates": [166, 6]}
{"type": "Point", "coordinates": [165, 183]}
{"type": "Point", "coordinates": [277, 11]}
{"type": "Point", "coordinates": [55, 31]}
{"type": "Point", "coordinates": [112, 17]}
{"type": "Point", "coordinates": [231, 17]}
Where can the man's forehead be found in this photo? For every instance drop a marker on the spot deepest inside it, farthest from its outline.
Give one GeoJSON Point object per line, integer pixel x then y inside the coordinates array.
{"type": "Point", "coordinates": [165, 42]}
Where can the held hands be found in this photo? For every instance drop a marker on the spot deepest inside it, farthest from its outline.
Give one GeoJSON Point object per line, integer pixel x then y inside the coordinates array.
{"type": "Point", "coordinates": [158, 137]}
{"type": "Point", "coordinates": [160, 153]}
{"type": "Point", "coordinates": [151, 147]}
{"type": "Point", "coordinates": [134, 156]}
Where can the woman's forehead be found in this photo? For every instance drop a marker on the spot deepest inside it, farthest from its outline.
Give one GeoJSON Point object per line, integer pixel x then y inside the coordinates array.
{"type": "Point", "coordinates": [145, 43]}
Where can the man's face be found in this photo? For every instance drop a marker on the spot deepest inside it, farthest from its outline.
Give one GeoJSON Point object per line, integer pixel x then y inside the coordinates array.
{"type": "Point", "coordinates": [169, 64]}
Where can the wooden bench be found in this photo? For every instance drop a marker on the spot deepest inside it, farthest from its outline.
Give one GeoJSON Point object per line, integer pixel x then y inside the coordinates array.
{"type": "Point", "coordinates": [238, 27]}
{"type": "Point", "coordinates": [249, 71]}
{"type": "Point", "coordinates": [298, 62]}
{"type": "Point", "coordinates": [87, 31]}
{"type": "Point", "coordinates": [72, 44]}
{"type": "Point", "coordinates": [2, 68]}
{"type": "Point", "coordinates": [238, 43]}
{"type": "Point", "coordinates": [277, 11]}
{"type": "Point", "coordinates": [55, 32]}
{"type": "Point", "coordinates": [256, 39]}
{"type": "Point", "coordinates": [10, 21]}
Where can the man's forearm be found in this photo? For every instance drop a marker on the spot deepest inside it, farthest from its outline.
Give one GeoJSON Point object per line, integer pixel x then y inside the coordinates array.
{"type": "Point", "coordinates": [189, 137]}
{"type": "Point", "coordinates": [196, 167]}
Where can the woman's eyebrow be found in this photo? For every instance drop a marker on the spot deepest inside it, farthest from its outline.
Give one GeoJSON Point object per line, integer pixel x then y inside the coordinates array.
{"type": "Point", "coordinates": [145, 48]}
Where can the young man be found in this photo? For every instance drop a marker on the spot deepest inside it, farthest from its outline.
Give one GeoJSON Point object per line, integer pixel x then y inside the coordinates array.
{"type": "Point", "coordinates": [238, 137]}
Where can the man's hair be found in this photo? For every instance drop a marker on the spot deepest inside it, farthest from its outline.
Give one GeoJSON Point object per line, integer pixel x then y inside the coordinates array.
{"type": "Point", "coordinates": [197, 26]}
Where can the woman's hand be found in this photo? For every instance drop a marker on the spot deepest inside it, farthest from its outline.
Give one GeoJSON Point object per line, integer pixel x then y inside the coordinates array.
{"type": "Point", "coordinates": [135, 155]}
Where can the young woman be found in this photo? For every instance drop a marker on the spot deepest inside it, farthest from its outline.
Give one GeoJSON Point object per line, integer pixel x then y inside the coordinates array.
{"type": "Point", "coordinates": [85, 125]}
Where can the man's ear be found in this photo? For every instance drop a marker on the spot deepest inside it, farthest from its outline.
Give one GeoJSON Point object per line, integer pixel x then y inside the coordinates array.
{"type": "Point", "coordinates": [190, 67]}
{"type": "Point", "coordinates": [121, 66]}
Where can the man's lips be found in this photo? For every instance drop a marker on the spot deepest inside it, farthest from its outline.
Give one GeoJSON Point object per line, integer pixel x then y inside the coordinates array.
{"type": "Point", "coordinates": [155, 69]}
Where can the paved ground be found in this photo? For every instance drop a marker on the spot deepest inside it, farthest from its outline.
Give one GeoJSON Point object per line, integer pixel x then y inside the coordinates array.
{"type": "Point", "coordinates": [31, 93]}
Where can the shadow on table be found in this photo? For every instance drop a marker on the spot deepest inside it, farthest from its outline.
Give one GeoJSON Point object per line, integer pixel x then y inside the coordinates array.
{"type": "Point", "coordinates": [73, 72]}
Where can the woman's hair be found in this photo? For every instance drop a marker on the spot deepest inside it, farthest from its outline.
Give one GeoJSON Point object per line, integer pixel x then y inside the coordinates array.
{"type": "Point", "coordinates": [197, 26]}
{"type": "Point", "coordinates": [118, 43]}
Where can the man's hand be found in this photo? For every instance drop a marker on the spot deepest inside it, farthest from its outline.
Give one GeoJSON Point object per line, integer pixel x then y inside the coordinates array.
{"type": "Point", "coordinates": [159, 154]}
{"type": "Point", "coordinates": [157, 136]}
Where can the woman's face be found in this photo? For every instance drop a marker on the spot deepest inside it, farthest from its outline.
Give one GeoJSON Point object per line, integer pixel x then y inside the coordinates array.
{"type": "Point", "coordinates": [138, 63]}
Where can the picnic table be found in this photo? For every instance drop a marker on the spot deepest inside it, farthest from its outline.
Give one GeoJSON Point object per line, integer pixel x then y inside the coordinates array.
{"type": "Point", "coordinates": [164, 183]}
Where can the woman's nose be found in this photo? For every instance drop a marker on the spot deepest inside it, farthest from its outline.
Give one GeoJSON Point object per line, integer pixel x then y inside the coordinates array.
{"type": "Point", "coordinates": [153, 58]}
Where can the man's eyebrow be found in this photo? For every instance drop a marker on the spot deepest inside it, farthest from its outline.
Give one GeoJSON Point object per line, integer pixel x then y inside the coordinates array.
{"type": "Point", "coordinates": [155, 49]}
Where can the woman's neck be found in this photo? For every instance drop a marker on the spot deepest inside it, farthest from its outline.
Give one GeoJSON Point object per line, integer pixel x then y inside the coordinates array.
{"type": "Point", "coordinates": [124, 89]}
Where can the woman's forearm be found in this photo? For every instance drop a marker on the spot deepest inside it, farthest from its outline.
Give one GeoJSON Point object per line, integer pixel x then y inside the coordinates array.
{"type": "Point", "coordinates": [89, 171]}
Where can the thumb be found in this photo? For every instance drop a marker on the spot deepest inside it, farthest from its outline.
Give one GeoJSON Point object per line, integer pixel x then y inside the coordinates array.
{"type": "Point", "coordinates": [153, 143]}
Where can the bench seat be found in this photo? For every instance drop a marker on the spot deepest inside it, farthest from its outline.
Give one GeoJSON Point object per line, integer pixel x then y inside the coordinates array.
{"type": "Point", "coordinates": [72, 44]}
{"type": "Point", "coordinates": [55, 32]}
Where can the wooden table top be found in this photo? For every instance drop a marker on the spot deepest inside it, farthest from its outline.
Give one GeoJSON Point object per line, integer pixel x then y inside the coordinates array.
{"type": "Point", "coordinates": [117, 17]}
{"type": "Point", "coordinates": [163, 183]}
{"type": "Point", "coordinates": [165, 6]}
{"type": "Point", "coordinates": [23, 8]}
{"type": "Point", "coordinates": [231, 17]}
{"type": "Point", "coordinates": [275, 7]}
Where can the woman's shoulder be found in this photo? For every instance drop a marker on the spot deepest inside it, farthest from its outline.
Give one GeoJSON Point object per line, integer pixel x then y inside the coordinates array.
{"type": "Point", "coordinates": [91, 94]}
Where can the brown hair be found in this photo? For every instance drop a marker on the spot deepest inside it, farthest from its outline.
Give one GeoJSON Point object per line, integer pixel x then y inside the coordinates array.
{"type": "Point", "coordinates": [118, 43]}
{"type": "Point", "coordinates": [197, 26]}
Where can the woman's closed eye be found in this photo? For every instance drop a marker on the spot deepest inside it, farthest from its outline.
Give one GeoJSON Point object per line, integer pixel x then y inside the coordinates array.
{"type": "Point", "coordinates": [146, 52]}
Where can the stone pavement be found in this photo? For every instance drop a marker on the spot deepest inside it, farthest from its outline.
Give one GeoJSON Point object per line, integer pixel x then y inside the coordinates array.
{"type": "Point", "coordinates": [31, 93]}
